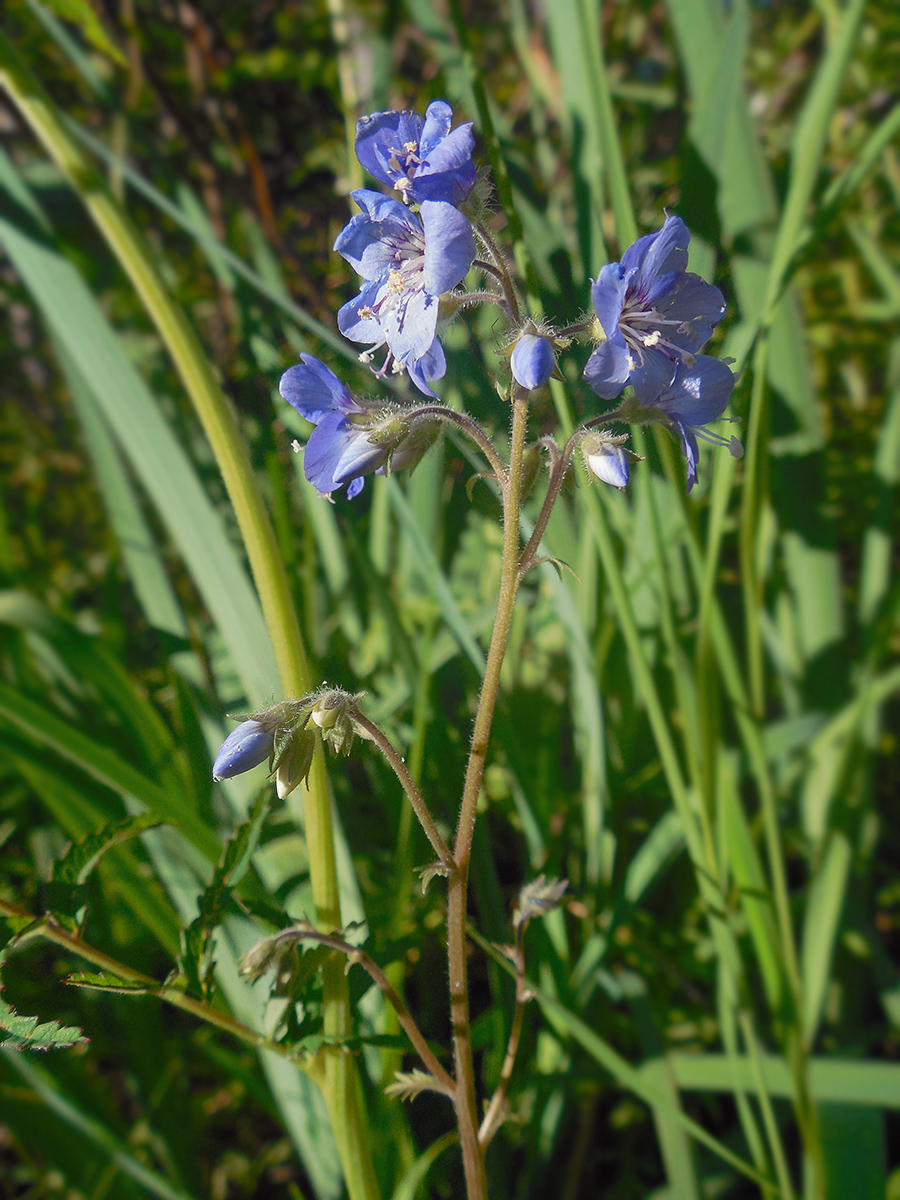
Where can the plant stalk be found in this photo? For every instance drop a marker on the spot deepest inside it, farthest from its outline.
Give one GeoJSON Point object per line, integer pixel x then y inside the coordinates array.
{"type": "Point", "coordinates": [221, 428]}
{"type": "Point", "coordinates": [466, 1110]}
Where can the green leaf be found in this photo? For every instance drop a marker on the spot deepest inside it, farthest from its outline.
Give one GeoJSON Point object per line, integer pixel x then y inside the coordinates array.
{"type": "Point", "coordinates": [80, 13]}
{"type": "Point", "coordinates": [194, 960]}
{"type": "Point", "coordinates": [28, 1033]}
{"type": "Point", "coordinates": [104, 982]}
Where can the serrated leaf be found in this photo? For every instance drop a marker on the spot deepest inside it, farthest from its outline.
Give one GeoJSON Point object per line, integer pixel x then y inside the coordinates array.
{"type": "Point", "coordinates": [29, 1033]}
{"type": "Point", "coordinates": [64, 892]}
{"type": "Point", "coordinates": [194, 960]}
{"type": "Point", "coordinates": [102, 981]}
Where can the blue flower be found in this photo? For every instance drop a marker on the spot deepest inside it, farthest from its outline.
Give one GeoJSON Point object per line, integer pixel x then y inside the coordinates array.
{"type": "Point", "coordinates": [420, 157]}
{"type": "Point", "coordinates": [532, 361]}
{"type": "Point", "coordinates": [352, 438]}
{"type": "Point", "coordinates": [654, 314]}
{"type": "Point", "coordinates": [339, 449]}
{"type": "Point", "coordinates": [244, 748]}
{"type": "Point", "coordinates": [408, 262]}
{"type": "Point", "coordinates": [697, 395]}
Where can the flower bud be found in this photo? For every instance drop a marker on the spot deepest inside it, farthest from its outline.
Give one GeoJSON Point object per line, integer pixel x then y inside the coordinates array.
{"type": "Point", "coordinates": [532, 362]}
{"type": "Point", "coordinates": [244, 748]}
{"type": "Point", "coordinates": [606, 458]}
{"type": "Point", "coordinates": [294, 761]}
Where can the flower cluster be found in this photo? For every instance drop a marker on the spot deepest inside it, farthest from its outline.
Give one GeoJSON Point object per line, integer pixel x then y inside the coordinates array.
{"type": "Point", "coordinates": [408, 259]}
{"type": "Point", "coordinates": [653, 318]}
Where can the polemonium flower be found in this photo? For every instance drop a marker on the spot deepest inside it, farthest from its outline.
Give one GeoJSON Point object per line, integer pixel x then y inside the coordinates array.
{"type": "Point", "coordinates": [697, 395]}
{"type": "Point", "coordinates": [532, 361]}
{"type": "Point", "coordinates": [352, 438]}
{"type": "Point", "coordinates": [408, 261]}
{"type": "Point", "coordinates": [244, 748]}
{"type": "Point", "coordinates": [655, 315]}
{"type": "Point", "coordinates": [421, 157]}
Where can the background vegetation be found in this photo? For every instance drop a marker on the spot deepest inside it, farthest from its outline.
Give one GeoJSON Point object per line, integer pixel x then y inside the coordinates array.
{"type": "Point", "coordinates": [699, 732]}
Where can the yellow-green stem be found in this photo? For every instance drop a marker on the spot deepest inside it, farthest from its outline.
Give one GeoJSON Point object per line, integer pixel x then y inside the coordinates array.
{"type": "Point", "coordinates": [221, 428]}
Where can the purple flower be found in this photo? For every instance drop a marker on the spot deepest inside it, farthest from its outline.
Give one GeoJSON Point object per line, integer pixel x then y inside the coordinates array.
{"type": "Point", "coordinates": [420, 157]}
{"type": "Point", "coordinates": [352, 438]}
{"type": "Point", "coordinates": [407, 261]}
{"type": "Point", "coordinates": [532, 361]}
{"type": "Point", "coordinates": [656, 316]}
{"type": "Point", "coordinates": [339, 450]}
{"type": "Point", "coordinates": [697, 395]}
{"type": "Point", "coordinates": [244, 748]}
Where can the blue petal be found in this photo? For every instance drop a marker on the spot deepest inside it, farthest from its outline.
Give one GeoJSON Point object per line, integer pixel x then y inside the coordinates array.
{"type": "Point", "coordinates": [449, 246]}
{"type": "Point", "coordinates": [652, 374]}
{"type": "Point", "coordinates": [410, 326]}
{"type": "Point", "coordinates": [699, 307]}
{"type": "Point", "coordinates": [532, 361]}
{"type": "Point", "coordinates": [690, 450]}
{"type": "Point", "coordinates": [666, 252]}
{"type": "Point", "coordinates": [698, 394]}
{"type": "Point", "coordinates": [608, 369]}
{"type": "Point", "coordinates": [354, 487]}
{"type": "Point", "coordinates": [244, 748]}
{"type": "Point", "coordinates": [314, 390]}
{"type": "Point", "coordinates": [438, 116]}
{"type": "Point", "coordinates": [383, 136]}
{"type": "Point", "coordinates": [338, 452]}
{"type": "Point", "coordinates": [369, 241]}
{"type": "Point", "coordinates": [448, 172]}
{"type": "Point", "coordinates": [429, 367]}
{"type": "Point", "coordinates": [608, 295]}
{"type": "Point", "coordinates": [356, 328]}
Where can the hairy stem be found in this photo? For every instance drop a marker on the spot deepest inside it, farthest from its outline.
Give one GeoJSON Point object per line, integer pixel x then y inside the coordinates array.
{"type": "Point", "coordinates": [374, 734]}
{"type": "Point", "coordinates": [466, 1111]}
{"type": "Point", "coordinates": [442, 1081]}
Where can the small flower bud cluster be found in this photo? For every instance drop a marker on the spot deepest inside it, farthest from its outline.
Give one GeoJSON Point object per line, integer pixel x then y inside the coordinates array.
{"type": "Point", "coordinates": [282, 735]}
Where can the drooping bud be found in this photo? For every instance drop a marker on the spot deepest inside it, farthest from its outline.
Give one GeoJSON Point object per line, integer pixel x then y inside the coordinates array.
{"type": "Point", "coordinates": [244, 748]}
{"type": "Point", "coordinates": [294, 761]}
{"type": "Point", "coordinates": [607, 458]}
{"type": "Point", "coordinates": [532, 361]}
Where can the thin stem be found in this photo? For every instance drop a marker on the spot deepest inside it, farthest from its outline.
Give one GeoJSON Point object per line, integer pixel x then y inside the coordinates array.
{"type": "Point", "coordinates": [503, 275]}
{"type": "Point", "coordinates": [443, 1081]}
{"type": "Point", "coordinates": [398, 766]}
{"type": "Point", "coordinates": [50, 931]}
{"type": "Point", "coordinates": [470, 428]}
{"type": "Point", "coordinates": [220, 425]}
{"type": "Point", "coordinates": [493, 1118]}
{"type": "Point", "coordinates": [557, 475]}
{"type": "Point", "coordinates": [473, 1155]}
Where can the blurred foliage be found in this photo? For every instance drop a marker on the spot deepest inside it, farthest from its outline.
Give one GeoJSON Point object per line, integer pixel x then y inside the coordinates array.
{"type": "Point", "coordinates": [238, 115]}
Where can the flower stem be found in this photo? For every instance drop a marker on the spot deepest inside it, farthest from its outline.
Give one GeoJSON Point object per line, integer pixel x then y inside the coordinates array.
{"type": "Point", "coordinates": [398, 766]}
{"type": "Point", "coordinates": [466, 1112]}
{"type": "Point", "coordinates": [221, 428]}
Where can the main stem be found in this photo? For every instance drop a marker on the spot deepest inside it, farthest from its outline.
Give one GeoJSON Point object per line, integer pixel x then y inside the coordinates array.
{"type": "Point", "coordinates": [342, 1092]}
{"type": "Point", "coordinates": [466, 1108]}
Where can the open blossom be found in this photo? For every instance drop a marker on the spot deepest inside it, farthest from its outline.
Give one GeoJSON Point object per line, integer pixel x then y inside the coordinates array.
{"type": "Point", "coordinates": [655, 315]}
{"type": "Point", "coordinates": [697, 395]}
{"type": "Point", "coordinates": [352, 439]}
{"type": "Point", "coordinates": [407, 262]}
{"type": "Point", "coordinates": [421, 157]}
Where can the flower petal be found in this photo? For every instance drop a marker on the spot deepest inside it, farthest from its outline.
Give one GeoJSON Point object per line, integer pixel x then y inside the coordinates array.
{"type": "Point", "coordinates": [314, 389]}
{"type": "Point", "coordinates": [610, 463]}
{"type": "Point", "coordinates": [698, 394]}
{"type": "Point", "coordinates": [382, 137]}
{"type": "Point", "coordinates": [449, 246]}
{"type": "Point", "coordinates": [338, 452]}
{"type": "Point", "coordinates": [608, 294]}
{"type": "Point", "coordinates": [608, 369]}
{"type": "Point", "coordinates": [427, 368]}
